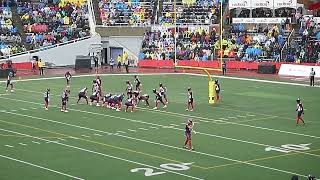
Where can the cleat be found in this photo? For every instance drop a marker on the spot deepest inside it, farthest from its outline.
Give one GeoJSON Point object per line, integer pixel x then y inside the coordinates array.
{"type": "Point", "coordinates": [155, 108]}
{"type": "Point", "coordinates": [62, 110]}
{"type": "Point", "coordinates": [90, 104]}
{"type": "Point", "coordinates": [66, 111]}
{"type": "Point", "coordinates": [191, 110]}
{"type": "Point", "coordinates": [6, 90]}
{"type": "Point", "coordinates": [98, 105]}
{"type": "Point", "coordinates": [46, 109]}
{"type": "Point", "coordinates": [12, 90]}
{"type": "Point", "coordinates": [164, 106]}
{"type": "Point", "coordinates": [118, 110]}
{"type": "Point", "coordinates": [187, 109]}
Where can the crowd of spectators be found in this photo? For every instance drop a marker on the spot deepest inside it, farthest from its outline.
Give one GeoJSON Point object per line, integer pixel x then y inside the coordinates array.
{"type": "Point", "coordinates": [191, 44]}
{"type": "Point", "coordinates": [190, 12]}
{"type": "Point", "coordinates": [10, 39]}
{"type": "Point", "coordinates": [202, 43]}
{"type": "Point", "coordinates": [127, 12]}
{"type": "Point", "coordinates": [307, 47]}
{"type": "Point", "coordinates": [47, 23]}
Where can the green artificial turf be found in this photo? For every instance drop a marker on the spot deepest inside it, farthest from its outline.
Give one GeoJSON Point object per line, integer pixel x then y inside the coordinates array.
{"type": "Point", "coordinates": [95, 143]}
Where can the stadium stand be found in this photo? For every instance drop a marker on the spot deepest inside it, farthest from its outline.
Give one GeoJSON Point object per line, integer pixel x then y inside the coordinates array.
{"type": "Point", "coordinates": [59, 21]}
{"type": "Point", "coordinates": [190, 12]}
{"type": "Point", "coordinates": [10, 39]}
{"type": "Point", "coordinates": [127, 12]}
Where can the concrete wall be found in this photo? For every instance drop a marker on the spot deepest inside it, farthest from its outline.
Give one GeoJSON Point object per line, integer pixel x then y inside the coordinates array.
{"type": "Point", "coordinates": [61, 55]}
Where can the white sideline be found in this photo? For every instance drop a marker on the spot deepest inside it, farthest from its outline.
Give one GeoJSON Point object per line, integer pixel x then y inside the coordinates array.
{"type": "Point", "coordinates": [155, 74]}
{"type": "Point", "coordinates": [101, 154]}
{"type": "Point", "coordinates": [41, 167]}
{"type": "Point", "coordinates": [137, 121]}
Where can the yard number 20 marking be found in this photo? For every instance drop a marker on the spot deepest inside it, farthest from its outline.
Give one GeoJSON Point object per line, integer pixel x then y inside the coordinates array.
{"type": "Point", "coordinates": [169, 166]}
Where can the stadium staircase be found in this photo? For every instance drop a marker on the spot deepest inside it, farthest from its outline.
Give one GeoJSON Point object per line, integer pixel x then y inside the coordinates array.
{"type": "Point", "coordinates": [18, 23]}
{"type": "Point", "coordinates": [97, 12]}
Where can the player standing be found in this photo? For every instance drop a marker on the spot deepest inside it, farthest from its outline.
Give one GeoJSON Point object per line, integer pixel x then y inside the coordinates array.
{"type": "Point", "coordinates": [217, 89]}
{"type": "Point", "coordinates": [83, 94]}
{"type": "Point", "coordinates": [68, 76]}
{"type": "Point", "coordinates": [9, 81]}
{"type": "Point", "coordinates": [138, 83]}
{"type": "Point", "coordinates": [163, 91]}
{"type": "Point", "coordinates": [158, 98]}
{"type": "Point", "coordinates": [187, 132]}
{"type": "Point", "coordinates": [64, 100]}
{"type": "Point", "coordinates": [312, 74]}
{"type": "Point", "coordinates": [299, 111]}
{"type": "Point", "coordinates": [99, 82]}
{"type": "Point", "coordinates": [190, 100]}
{"type": "Point", "coordinates": [46, 99]}
{"type": "Point", "coordinates": [129, 89]}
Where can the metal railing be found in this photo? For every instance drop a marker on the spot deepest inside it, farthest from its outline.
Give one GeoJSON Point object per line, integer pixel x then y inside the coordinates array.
{"type": "Point", "coordinates": [285, 46]}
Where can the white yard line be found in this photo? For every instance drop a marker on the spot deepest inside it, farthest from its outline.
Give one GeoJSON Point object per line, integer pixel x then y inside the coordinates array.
{"type": "Point", "coordinates": [41, 167]}
{"type": "Point", "coordinates": [163, 126]}
{"type": "Point", "coordinates": [132, 130]}
{"type": "Point", "coordinates": [105, 155]}
{"type": "Point", "coordinates": [85, 136]}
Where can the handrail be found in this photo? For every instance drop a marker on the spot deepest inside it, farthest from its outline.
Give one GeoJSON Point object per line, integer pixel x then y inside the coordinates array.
{"type": "Point", "coordinates": [7, 57]}
{"type": "Point", "coordinates": [286, 45]}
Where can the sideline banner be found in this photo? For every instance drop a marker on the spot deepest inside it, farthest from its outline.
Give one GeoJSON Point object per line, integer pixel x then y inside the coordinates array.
{"type": "Point", "coordinates": [258, 20]}
{"type": "Point", "coordinates": [298, 70]}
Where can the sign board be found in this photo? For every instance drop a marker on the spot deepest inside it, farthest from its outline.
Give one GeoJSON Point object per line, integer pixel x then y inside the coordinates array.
{"type": "Point", "coordinates": [285, 3]}
{"type": "Point", "coordinates": [262, 4]}
{"type": "Point", "coordinates": [298, 70]}
{"type": "Point", "coordinates": [239, 4]}
{"type": "Point", "coordinates": [258, 20]}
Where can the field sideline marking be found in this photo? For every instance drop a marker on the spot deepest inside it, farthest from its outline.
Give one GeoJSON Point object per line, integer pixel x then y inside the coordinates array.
{"type": "Point", "coordinates": [105, 155]}
{"type": "Point", "coordinates": [227, 122]}
{"type": "Point", "coordinates": [156, 74]}
{"type": "Point", "coordinates": [197, 152]}
{"type": "Point", "coordinates": [96, 142]}
{"type": "Point", "coordinates": [15, 136]}
{"type": "Point", "coordinates": [143, 122]}
{"type": "Point", "coordinates": [261, 159]}
{"type": "Point", "coordinates": [41, 167]}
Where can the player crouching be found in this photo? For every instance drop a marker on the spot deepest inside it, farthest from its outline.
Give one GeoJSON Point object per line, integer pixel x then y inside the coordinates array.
{"type": "Point", "coordinates": [190, 100]}
{"type": "Point", "coordinates": [129, 103]}
{"type": "Point", "coordinates": [83, 94]}
{"type": "Point", "coordinates": [144, 97]}
{"type": "Point", "coordinates": [64, 100]}
{"type": "Point", "coordinates": [158, 98]}
{"type": "Point", "coordinates": [95, 97]}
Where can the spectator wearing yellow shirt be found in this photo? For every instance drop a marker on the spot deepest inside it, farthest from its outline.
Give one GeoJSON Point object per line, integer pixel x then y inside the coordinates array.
{"type": "Point", "coordinates": [41, 65]}
{"type": "Point", "coordinates": [119, 59]}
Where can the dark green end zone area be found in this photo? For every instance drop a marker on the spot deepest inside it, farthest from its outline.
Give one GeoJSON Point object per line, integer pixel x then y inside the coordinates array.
{"type": "Point", "coordinates": [250, 134]}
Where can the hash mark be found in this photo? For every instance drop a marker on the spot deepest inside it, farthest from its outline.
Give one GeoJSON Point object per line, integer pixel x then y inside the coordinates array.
{"type": "Point", "coordinates": [8, 146]}
{"type": "Point", "coordinates": [85, 136]}
{"type": "Point", "coordinates": [143, 129]}
{"type": "Point", "coordinates": [132, 130]}
{"type": "Point", "coordinates": [22, 144]}
{"type": "Point", "coordinates": [97, 134]}
{"type": "Point", "coordinates": [154, 127]}
{"type": "Point", "coordinates": [121, 132]}
{"type": "Point", "coordinates": [35, 142]}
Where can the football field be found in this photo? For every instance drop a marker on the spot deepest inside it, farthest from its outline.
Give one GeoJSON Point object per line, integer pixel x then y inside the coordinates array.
{"type": "Point", "coordinates": [250, 134]}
